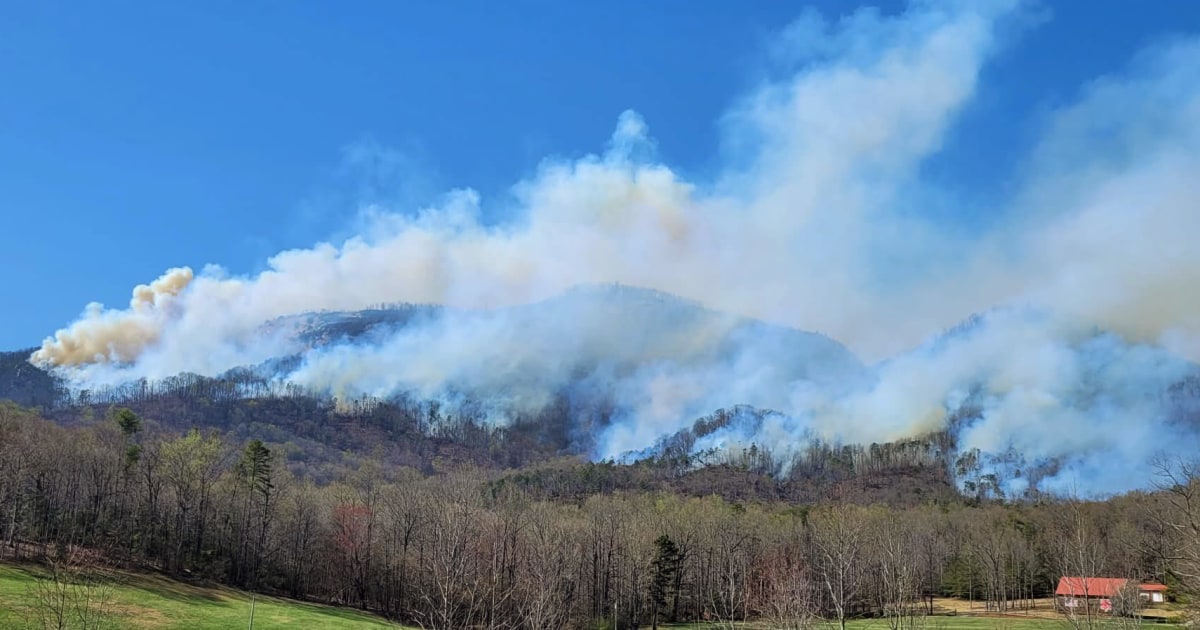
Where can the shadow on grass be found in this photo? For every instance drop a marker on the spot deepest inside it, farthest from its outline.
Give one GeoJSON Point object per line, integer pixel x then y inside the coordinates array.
{"type": "Point", "coordinates": [324, 610]}
{"type": "Point", "coordinates": [176, 591]}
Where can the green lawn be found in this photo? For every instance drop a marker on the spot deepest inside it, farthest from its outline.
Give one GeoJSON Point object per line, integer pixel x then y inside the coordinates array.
{"type": "Point", "coordinates": [146, 601]}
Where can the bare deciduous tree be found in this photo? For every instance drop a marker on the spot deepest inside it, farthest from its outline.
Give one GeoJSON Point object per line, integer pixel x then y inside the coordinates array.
{"type": "Point", "coordinates": [789, 596]}
{"type": "Point", "coordinates": [73, 593]}
{"type": "Point", "coordinates": [838, 535]}
{"type": "Point", "coordinates": [894, 542]}
{"type": "Point", "coordinates": [547, 586]}
{"type": "Point", "coordinates": [1180, 515]}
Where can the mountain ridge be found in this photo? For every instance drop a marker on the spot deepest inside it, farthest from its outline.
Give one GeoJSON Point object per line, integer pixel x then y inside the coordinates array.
{"type": "Point", "coordinates": [581, 373]}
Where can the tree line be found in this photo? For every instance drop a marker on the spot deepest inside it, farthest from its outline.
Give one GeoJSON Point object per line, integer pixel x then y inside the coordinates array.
{"type": "Point", "coordinates": [465, 548]}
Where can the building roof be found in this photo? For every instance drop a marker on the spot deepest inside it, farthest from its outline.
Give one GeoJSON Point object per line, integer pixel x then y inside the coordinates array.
{"type": "Point", "coordinates": [1089, 586]}
{"type": "Point", "coordinates": [1098, 586]}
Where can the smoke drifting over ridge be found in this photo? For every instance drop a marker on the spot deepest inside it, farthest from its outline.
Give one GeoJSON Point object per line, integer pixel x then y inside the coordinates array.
{"type": "Point", "coordinates": [816, 224]}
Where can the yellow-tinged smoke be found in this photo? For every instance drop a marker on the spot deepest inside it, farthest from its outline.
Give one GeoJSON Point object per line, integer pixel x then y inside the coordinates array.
{"type": "Point", "coordinates": [116, 336]}
{"type": "Point", "coordinates": [811, 231]}
{"type": "Point", "coordinates": [818, 224]}
{"type": "Point", "coordinates": [779, 237]}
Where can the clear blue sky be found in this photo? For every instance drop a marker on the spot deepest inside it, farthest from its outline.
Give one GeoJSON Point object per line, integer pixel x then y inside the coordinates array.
{"type": "Point", "coordinates": [137, 136]}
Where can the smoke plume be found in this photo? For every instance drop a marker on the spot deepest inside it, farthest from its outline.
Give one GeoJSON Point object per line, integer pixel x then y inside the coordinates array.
{"type": "Point", "coordinates": [1085, 281]}
{"type": "Point", "coordinates": [120, 336]}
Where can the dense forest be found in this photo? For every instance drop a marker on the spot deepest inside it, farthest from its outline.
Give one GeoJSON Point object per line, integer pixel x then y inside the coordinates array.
{"type": "Point", "coordinates": [562, 544]}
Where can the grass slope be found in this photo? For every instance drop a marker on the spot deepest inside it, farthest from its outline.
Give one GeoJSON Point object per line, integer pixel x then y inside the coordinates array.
{"type": "Point", "coordinates": [147, 601]}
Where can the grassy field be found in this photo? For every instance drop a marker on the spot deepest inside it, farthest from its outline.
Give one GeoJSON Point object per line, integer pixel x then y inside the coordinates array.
{"type": "Point", "coordinates": [144, 601]}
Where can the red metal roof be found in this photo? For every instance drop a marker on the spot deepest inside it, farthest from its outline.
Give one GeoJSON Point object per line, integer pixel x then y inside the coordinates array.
{"type": "Point", "coordinates": [1089, 586]}
{"type": "Point", "coordinates": [1098, 586]}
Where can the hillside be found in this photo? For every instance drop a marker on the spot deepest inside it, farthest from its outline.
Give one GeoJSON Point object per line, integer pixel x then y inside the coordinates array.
{"type": "Point", "coordinates": [553, 398]}
{"type": "Point", "coordinates": [25, 383]}
{"type": "Point", "coordinates": [138, 600]}
{"type": "Point", "coordinates": [612, 372]}
{"type": "Point", "coordinates": [558, 382]}
{"type": "Point", "coordinates": [322, 439]}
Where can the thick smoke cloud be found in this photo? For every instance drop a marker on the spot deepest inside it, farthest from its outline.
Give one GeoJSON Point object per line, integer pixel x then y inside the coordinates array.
{"type": "Point", "coordinates": [102, 336]}
{"type": "Point", "coordinates": [1086, 280]}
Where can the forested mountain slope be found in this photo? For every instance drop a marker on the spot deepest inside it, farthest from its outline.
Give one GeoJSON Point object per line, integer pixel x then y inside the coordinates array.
{"type": "Point", "coordinates": [615, 373]}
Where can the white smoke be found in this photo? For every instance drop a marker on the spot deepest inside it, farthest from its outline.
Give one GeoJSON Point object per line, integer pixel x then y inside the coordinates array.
{"type": "Point", "coordinates": [811, 225]}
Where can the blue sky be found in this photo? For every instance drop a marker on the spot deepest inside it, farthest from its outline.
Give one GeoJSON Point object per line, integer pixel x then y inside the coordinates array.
{"type": "Point", "coordinates": [140, 136]}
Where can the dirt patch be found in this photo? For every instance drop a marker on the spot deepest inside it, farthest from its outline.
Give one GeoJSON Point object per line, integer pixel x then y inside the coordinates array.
{"type": "Point", "coordinates": [138, 616]}
{"type": "Point", "coordinates": [1021, 609]}
{"type": "Point", "coordinates": [1026, 609]}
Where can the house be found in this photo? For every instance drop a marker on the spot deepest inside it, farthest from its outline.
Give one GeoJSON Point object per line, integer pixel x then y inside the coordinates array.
{"type": "Point", "coordinates": [1074, 593]}
{"type": "Point", "coordinates": [1153, 593]}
